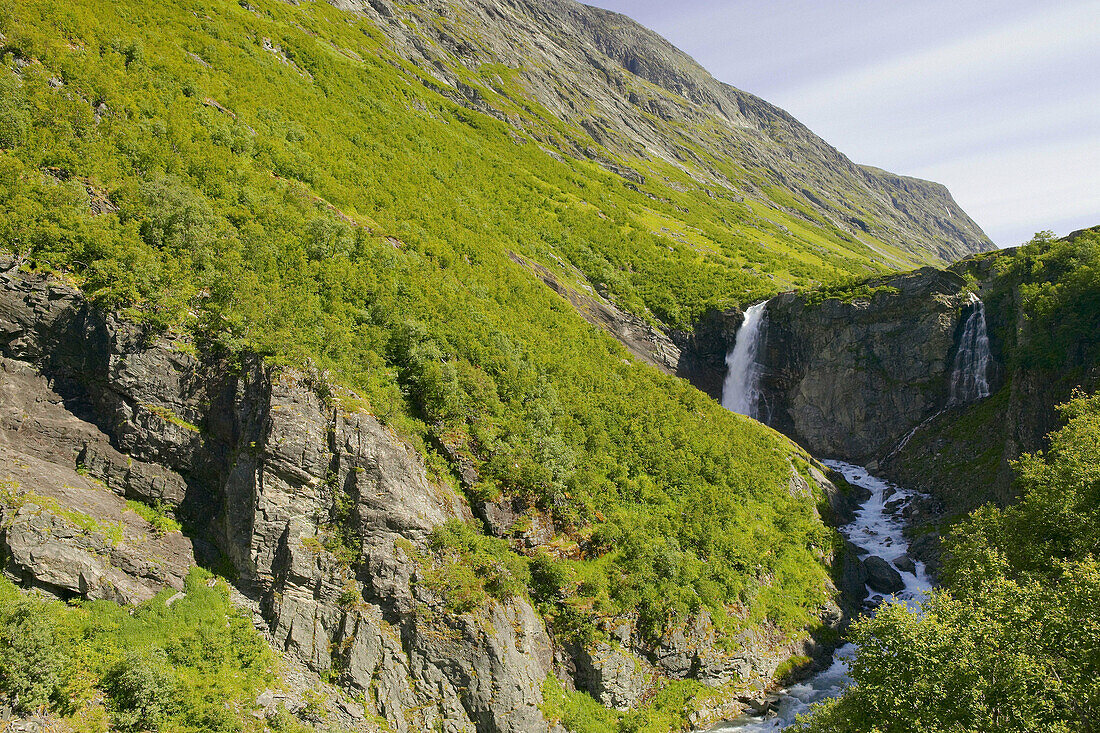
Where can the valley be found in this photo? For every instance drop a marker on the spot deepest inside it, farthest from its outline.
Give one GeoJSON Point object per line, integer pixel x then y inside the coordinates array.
{"type": "Point", "coordinates": [376, 366]}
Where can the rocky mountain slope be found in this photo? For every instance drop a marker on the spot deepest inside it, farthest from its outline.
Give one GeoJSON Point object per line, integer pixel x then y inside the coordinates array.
{"type": "Point", "coordinates": [321, 282]}
{"type": "Point", "coordinates": [324, 516]}
{"type": "Point", "coordinates": [612, 82]}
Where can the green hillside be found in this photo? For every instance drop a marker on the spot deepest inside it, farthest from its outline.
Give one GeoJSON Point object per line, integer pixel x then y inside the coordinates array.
{"type": "Point", "coordinates": [275, 178]}
{"type": "Point", "coordinates": [313, 205]}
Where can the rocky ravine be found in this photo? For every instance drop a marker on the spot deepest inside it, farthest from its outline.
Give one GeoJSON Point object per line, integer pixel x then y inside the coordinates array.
{"type": "Point", "coordinates": [262, 464]}
{"type": "Point", "coordinates": [864, 376]}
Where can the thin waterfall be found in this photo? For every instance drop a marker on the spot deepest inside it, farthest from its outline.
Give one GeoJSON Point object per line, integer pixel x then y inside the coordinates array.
{"type": "Point", "coordinates": [741, 391]}
{"type": "Point", "coordinates": [970, 375]}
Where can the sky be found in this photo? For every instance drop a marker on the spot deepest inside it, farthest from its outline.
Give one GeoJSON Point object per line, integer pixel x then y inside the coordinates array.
{"type": "Point", "coordinates": [998, 100]}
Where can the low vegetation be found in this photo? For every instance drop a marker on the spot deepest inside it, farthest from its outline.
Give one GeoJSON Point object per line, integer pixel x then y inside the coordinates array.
{"type": "Point", "coordinates": [195, 664]}
{"type": "Point", "coordinates": [668, 710]}
{"type": "Point", "coordinates": [167, 158]}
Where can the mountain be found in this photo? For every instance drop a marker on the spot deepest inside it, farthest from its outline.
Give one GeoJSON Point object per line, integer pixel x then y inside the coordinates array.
{"type": "Point", "coordinates": [651, 110]}
{"type": "Point", "coordinates": [304, 294]}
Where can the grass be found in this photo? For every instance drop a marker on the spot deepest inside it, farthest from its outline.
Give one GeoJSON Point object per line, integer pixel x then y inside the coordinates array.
{"type": "Point", "coordinates": [194, 666]}
{"type": "Point", "coordinates": [668, 708]}
{"type": "Point", "coordinates": [157, 515]}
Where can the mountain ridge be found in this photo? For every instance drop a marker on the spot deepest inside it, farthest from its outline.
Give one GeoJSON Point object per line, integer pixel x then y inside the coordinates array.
{"type": "Point", "coordinates": [649, 101]}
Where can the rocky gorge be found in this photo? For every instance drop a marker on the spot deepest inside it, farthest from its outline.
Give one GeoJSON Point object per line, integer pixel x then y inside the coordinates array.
{"type": "Point", "coordinates": [266, 467]}
{"type": "Point", "coordinates": [865, 373]}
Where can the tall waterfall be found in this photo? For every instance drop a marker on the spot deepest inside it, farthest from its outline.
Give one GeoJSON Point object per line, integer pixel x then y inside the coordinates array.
{"type": "Point", "coordinates": [741, 391]}
{"type": "Point", "coordinates": [970, 375]}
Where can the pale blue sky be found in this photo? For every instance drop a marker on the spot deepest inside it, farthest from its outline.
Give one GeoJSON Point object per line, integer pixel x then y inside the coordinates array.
{"type": "Point", "coordinates": [999, 100]}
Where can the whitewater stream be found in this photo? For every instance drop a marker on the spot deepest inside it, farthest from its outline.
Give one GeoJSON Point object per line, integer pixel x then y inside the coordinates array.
{"type": "Point", "coordinates": [876, 530]}
{"type": "Point", "coordinates": [879, 532]}
{"type": "Point", "coordinates": [878, 525]}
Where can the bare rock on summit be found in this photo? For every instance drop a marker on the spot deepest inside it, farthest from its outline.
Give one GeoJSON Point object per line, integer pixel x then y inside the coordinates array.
{"type": "Point", "coordinates": [627, 87]}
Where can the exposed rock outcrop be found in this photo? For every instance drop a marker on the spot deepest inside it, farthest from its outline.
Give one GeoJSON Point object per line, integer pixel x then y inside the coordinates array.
{"type": "Point", "coordinates": [266, 468]}
{"type": "Point", "coordinates": [851, 379]}
{"type": "Point", "coordinates": [882, 576]}
{"type": "Point", "coordinates": [703, 349]}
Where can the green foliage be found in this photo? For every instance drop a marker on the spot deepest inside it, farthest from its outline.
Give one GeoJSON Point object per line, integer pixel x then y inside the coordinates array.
{"type": "Point", "coordinates": [156, 515]}
{"type": "Point", "coordinates": [848, 290]}
{"type": "Point", "coordinates": [141, 691]}
{"type": "Point", "coordinates": [668, 709]}
{"type": "Point", "coordinates": [196, 665]}
{"type": "Point", "coordinates": [382, 246]}
{"type": "Point", "coordinates": [1057, 282]}
{"type": "Point", "coordinates": [32, 666]}
{"type": "Point", "coordinates": [1013, 641]}
{"type": "Point", "coordinates": [473, 567]}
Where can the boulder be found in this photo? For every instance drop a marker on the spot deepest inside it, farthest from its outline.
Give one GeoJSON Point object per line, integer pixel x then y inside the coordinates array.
{"type": "Point", "coordinates": [905, 564]}
{"type": "Point", "coordinates": [882, 576]}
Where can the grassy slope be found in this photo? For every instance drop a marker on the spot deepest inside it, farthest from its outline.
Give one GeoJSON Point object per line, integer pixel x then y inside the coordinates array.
{"type": "Point", "coordinates": [193, 665]}
{"type": "Point", "coordinates": [281, 185]}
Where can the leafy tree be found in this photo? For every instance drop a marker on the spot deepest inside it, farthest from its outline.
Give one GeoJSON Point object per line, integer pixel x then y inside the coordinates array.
{"type": "Point", "coordinates": [1013, 641]}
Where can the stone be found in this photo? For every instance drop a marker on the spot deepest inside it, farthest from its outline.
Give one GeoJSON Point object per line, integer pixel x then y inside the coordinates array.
{"type": "Point", "coordinates": [852, 574]}
{"type": "Point", "coordinates": [905, 564]}
{"type": "Point", "coordinates": [882, 576]}
{"type": "Point", "coordinates": [255, 458]}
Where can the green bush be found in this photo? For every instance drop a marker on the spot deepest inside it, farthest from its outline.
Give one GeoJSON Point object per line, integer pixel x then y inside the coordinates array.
{"type": "Point", "coordinates": [472, 567]}
{"type": "Point", "coordinates": [141, 692]}
{"type": "Point", "coordinates": [155, 667]}
{"type": "Point", "coordinates": [1012, 643]}
{"type": "Point", "coordinates": [33, 668]}
{"type": "Point", "coordinates": [156, 515]}
{"type": "Point", "coordinates": [666, 710]}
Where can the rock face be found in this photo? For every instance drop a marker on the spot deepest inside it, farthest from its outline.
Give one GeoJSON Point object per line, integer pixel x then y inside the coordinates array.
{"type": "Point", "coordinates": [627, 87]}
{"type": "Point", "coordinates": [851, 379]}
{"type": "Point", "coordinates": [963, 457]}
{"type": "Point", "coordinates": [882, 576]}
{"type": "Point", "coordinates": [264, 464]}
{"type": "Point", "coordinates": [71, 536]}
{"type": "Point", "coordinates": [703, 350]}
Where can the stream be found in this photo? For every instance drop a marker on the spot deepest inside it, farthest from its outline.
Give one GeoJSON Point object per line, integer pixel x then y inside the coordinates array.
{"type": "Point", "coordinates": [879, 532]}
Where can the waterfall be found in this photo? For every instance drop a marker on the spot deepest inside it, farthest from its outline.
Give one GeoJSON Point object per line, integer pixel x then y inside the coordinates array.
{"type": "Point", "coordinates": [970, 375]}
{"type": "Point", "coordinates": [741, 391]}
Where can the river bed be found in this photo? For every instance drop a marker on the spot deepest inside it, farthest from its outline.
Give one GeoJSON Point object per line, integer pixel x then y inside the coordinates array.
{"type": "Point", "coordinates": [879, 532]}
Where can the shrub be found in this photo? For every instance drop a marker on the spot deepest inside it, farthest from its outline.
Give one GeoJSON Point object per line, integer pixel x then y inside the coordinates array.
{"type": "Point", "coordinates": [141, 692]}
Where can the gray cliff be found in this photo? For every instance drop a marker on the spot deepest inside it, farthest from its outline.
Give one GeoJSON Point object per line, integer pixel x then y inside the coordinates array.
{"type": "Point", "coordinates": [255, 459]}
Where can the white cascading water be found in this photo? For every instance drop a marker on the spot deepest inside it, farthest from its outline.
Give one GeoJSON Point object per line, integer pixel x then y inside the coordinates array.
{"type": "Point", "coordinates": [741, 391]}
{"type": "Point", "coordinates": [970, 375]}
{"type": "Point", "coordinates": [878, 531]}
{"type": "Point", "coordinates": [969, 380]}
